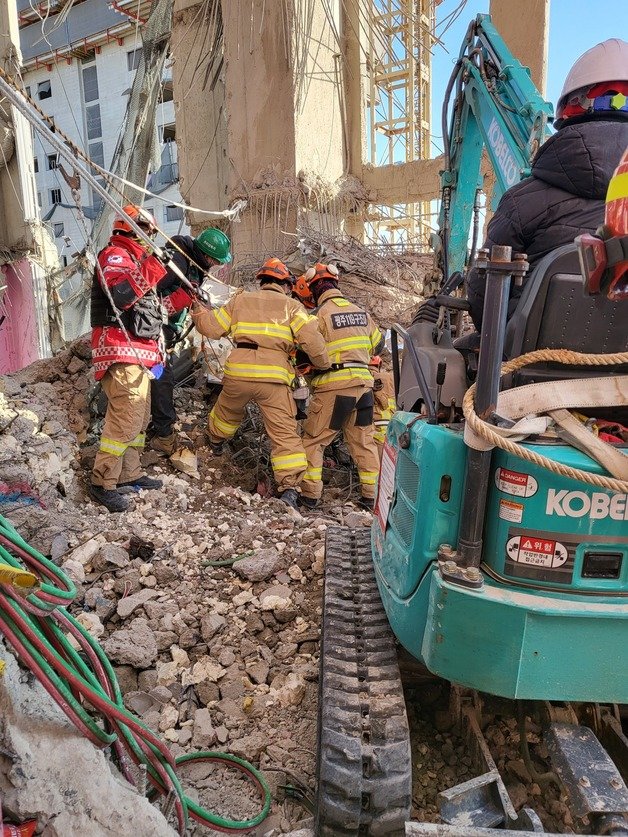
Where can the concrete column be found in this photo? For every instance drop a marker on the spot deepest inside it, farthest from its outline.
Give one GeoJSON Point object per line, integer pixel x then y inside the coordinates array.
{"type": "Point", "coordinates": [524, 26]}
{"type": "Point", "coordinates": [282, 112]}
{"type": "Point", "coordinates": [24, 333]}
{"type": "Point", "coordinates": [199, 99]}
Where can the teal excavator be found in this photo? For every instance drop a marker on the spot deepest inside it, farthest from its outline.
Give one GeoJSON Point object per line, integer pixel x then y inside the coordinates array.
{"type": "Point", "coordinates": [499, 551]}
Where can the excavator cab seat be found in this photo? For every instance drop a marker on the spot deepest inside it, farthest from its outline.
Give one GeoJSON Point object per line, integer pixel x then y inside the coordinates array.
{"type": "Point", "coordinates": [554, 313]}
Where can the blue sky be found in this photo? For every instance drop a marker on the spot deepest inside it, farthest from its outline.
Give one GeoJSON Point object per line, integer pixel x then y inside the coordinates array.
{"type": "Point", "coordinates": [575, 25]}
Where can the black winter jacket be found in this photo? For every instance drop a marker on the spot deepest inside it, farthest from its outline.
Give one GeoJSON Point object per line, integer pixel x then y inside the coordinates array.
{"type": "Point", "coordinates": [181, 254]}
{"type": "Point", "coordinates": [563, 197]}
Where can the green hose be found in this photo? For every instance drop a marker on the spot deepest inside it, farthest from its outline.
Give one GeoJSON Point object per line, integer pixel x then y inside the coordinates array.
{"type": "Point", "coordinates": [80, 679]}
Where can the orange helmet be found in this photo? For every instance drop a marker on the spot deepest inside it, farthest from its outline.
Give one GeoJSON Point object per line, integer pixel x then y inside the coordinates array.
{"type": "Point", "coordinates": [141, 216]}
{"type": "Point", "coordinates": [604, 257]}
{"type": "Point", "coordinates": [302, 291]}
{"type": "Point", "coordinates": [320, 271]}
{"type": "Point", "coordinates": [273, 268]}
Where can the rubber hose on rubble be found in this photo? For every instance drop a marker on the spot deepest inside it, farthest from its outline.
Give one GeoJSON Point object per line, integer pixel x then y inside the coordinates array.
{"type": "Point", "coordinates": [38, 628]}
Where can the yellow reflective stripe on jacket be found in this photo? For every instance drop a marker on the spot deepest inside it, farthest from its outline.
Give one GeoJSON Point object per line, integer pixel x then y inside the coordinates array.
{"type": "Point", "coordinates": [340, 302]}
{"type": "Point", "coordinates": [139, 441]}
{"type": "Point", "coordinates": [313, 474]}
{"type": "Point", "coordinates": [112, 446]}
{"type": "Point", "coordinates": [367, 477]}
{"type": "Point", "coordinates": [300, 319]}
{"type": "Point", "coordinates": [241, 329]}
{"type": "Point", "coordinates": [618, 187]}
{"type": "Point", "coordinates": [375, 338]}
{"type": "Point", "coordinates": [350, 374]}
{"type": "Point", "coordinates": [288, 462]}
{"type": "Point", "coordinates": [344, 344]}
{"type": "Point", "coordinates": [258, 371]}
{"type": "Point", "coordinates": [223, 317]}
{"type": "Point", "coordinates": [226, 426]}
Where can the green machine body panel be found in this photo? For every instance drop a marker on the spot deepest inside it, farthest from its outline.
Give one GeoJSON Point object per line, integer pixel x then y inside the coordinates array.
{"type": "Point", "coordinates": [553, 607]}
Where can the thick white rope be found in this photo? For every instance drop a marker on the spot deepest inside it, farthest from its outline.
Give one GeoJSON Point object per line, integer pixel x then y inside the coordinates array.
{"type": "Point", "coordinates": [489, 434]}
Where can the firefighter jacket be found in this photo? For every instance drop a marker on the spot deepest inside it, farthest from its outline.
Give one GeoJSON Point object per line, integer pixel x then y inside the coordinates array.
{"type": "Point", "coordinates": [351, 338]}
{"type": "Point", "coordinates": [130, 274]}
{"type": "Point", "coordinates": [266, 326]}
{"type": "Point", "coordinates": [385, 405]}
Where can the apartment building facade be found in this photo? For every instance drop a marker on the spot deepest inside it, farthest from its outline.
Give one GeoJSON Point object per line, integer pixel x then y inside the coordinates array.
{"type": "Point", "coordinates": [79, 68]}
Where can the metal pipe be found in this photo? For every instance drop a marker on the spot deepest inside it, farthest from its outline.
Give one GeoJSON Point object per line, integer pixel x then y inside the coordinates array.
{"type": "Point", "coordinates": [487, 389]}
{"type": "Point", "coordinates": [394, 345]}
{"type": "Point", "coordinates": [39, 124]}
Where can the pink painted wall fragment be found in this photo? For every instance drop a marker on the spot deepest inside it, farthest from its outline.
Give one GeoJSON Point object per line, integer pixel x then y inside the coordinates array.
{"type": "Point", "coordinates": [18, 329]}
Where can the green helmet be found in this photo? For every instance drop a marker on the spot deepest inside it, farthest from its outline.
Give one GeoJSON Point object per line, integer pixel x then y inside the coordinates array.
{"type": "Point", "coordinates": [215, 244]}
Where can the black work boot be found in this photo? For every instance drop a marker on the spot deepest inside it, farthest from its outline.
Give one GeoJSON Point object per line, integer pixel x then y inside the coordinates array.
{"type": "Point", "coordinates": [144, 482]}
{"type": "Point", "coordinates": [308, 502]}
{"type": "Point", "coordinates": [110, 498]}
{"type": "Point", "coordinates": [218, 448]}
{"type": "Point", "coordinates": [367, 503]}
{"type": "Point", "coordinates": [290, 497]}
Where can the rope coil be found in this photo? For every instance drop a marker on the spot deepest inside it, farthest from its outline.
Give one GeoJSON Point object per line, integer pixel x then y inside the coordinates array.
{"type": "Point", "coordinates": [487, 432]}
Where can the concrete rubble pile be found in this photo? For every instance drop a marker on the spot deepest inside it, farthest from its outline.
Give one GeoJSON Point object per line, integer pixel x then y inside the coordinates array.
{"type": "Point", "coordinates": [390, 285]}
{"type": "Point", "coordinates": [211, 657]}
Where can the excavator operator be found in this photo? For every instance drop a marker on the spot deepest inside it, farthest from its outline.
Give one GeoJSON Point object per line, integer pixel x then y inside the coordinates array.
{"type": "Point", "coordinates": [564, 196]}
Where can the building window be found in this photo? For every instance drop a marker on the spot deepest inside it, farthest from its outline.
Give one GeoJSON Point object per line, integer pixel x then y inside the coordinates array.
{"type": "Point", "coordinates": [174, 213]}
{"type": "Point", "coordinates": [89, 56]}
{"type": "Point", "coordinates": [133, 58]}
{"type": "Point", "coordinates": [39, 199]}
{"type": "Point", "coordinates": [94, 126]}
{"type": "Point", "coordinates": [44, 90]}
{"type": "Point", "coordinates": [168, 133]}
{"type": "Point", "coordinates": [165, 94]}
{"type": "Point", "coordinates": [35, 165]}
{"type": "Point", "coordinates": [55, 196]}
{"type": "Point", "coordinates": [59, 230]}
{"type": "Point", "coordinates": [64, 261]}
{"type": "Point", "coordinates": [96, 154]}
{"type": "Point", "coordinates": [90, 84]}
{"type": "Point", "coordinates": [52, 162]}
{"type": "Point", "coordinates": [28, 92]}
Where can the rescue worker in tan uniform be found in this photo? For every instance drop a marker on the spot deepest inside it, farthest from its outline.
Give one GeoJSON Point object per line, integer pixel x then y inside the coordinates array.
{"type": "Point", "coordinates": [343, 396]}
{"type": "Point", "coordinates": [267, 326]}
{"type": "Point", "coordinates": [384, 401]}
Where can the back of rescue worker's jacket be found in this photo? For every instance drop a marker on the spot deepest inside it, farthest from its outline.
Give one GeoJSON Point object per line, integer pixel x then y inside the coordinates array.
{"type": "Point", "coordinates": [351, 337]}
{"type": "Point", "coordinates": [265, 325]}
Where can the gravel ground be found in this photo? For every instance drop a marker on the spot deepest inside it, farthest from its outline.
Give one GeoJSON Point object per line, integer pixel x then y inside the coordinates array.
{"type": "Point", "coordinates": [217, 658]}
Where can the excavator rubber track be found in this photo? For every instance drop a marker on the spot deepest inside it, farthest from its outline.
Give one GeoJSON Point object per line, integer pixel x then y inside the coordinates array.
{"type": "Point", "coordinates": [364, 765]}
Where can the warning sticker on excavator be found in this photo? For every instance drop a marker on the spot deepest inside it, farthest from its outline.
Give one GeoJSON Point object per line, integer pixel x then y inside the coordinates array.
{"type": "Point", "coordinates": [515, 482]}
{"type": "Point", "coordinates": [510, 510]}
{"type": "Point", "coordinates": [539, 552]}
{"type": "Point", "coordinates": [385, 484]}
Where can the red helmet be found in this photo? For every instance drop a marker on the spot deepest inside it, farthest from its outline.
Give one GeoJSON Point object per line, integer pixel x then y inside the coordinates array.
{"type": "Point", "coordinates": [141, 216]}
{"type": "Point", "coordinates": [275, 269]}
{"type": "Point", "coordinates": [604, 257]}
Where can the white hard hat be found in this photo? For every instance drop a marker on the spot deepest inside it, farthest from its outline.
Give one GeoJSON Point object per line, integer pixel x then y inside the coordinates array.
{"type": "Point", "coordinates": [607, 61]}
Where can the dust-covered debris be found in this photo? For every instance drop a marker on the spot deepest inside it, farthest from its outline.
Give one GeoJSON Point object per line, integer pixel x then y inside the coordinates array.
{"type": "Point", "coordinates": [211, 657]}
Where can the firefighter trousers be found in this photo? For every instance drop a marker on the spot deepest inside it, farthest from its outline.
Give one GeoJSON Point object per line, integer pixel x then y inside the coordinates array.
{"type": "Point", "coordinates": [349, 410]}
{"type": "Point", "coordinates": [278, 411]}
{"type": "Point", "coordinates": [127, 387]}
